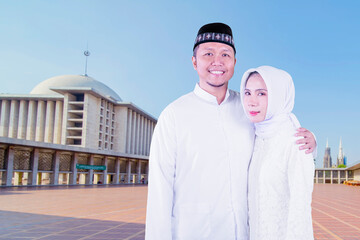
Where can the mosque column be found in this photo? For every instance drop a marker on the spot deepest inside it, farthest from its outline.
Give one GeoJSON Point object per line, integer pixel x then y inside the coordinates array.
{"type": "Point", "coordinates": [90, 175]}
{"type": "Point", "coordinates": [14, 117]}
{"type": "Point", "coordinates": [138, 172]}
{"type": "Point", "coordinates": [5, 115]}
{"type": "Point", "coordinates": [31, 121]}
{"type": "Point", "coordinates": [49, 122]}
{"type": "Point", "coordinates": [138, 150]}
{"type": "Point", "coordinates": [145, 136]}
{"type": "Point", "coordinates": [117, 171]}
{"type": "Point", "coordinates": [34, 157]}
{"type": "Point", "coordinates": [23, 112]}
{"type": "Point", "coordinates": [73, 174]}
{"type": "Point", "coordinates": [331, 176]}
{"type": "Point", "coordinates": [58, 122]}
{"type": "Point", "coordinates": [133, 133]}
{"type": "Point", "coordinates": [147, 172]}
{"type": "Point", "coordinates": [148, 137]}
{"type": "Point", "coordinates": [128, 132]}
{"type": "Point", "coordinates": [40, 122]}
{"type": "Point", "coordinates": [141, 135]}
{"type": "Point", "coordinates": [56, 164]}
{"type": "Point", "coordinates": [346, 175]}
{"type": "Point", "coordinates": [128, 170]}
{"type": "Point", "coordinates": [339, 177]}
{"type": "Point", "coordinates": [324, 177]}
{"type": "Point", "coordinates": [105, 172]}
{"type": "Point", "coordinates": [137, 130]}
{"type": "Point", "coordinates": [9, 159]}
{"type": "Point", "coordinates": [316, 176]}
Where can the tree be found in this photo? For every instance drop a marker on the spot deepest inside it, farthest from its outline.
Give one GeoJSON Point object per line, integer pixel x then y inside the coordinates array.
{"type": "Point", "coordinates": [341, 166]}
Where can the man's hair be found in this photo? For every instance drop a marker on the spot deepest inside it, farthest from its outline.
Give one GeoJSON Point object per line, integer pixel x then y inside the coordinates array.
{"type": "Point", "coordinates": [195, 51]}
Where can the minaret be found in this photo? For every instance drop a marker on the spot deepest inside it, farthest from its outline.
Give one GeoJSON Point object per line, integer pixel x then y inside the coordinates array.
{"type": "Point", "coordinates": [87, 54]}
{"type": "Point", "coordinates": [340, 157]}
{"type": "Point", "coordinates": [327, 156]}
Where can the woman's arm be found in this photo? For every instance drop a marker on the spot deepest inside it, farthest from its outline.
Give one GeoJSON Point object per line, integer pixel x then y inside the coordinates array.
{"type": "Point", "coordinates": [301, 182]}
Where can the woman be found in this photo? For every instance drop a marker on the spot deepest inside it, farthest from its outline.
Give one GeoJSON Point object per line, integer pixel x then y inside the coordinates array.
{"type": "Point", "coordinates": [280, 175]}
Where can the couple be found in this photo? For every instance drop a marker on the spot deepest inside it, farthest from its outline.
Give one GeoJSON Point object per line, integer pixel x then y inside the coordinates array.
{"type": "Point", "coordinates": [210, 177]}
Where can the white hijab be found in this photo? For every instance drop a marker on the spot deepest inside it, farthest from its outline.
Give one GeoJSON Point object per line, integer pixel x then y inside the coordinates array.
{"type": "Point", "coordinates": [281, 98]}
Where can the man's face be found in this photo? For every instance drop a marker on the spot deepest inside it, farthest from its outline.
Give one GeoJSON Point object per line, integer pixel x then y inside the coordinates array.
{"type": "Point", "coordinates": [215, 64]}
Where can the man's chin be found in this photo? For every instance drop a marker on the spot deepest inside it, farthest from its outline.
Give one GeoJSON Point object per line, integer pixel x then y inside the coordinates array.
{"type": "Point", "coordinates": [216, 85]}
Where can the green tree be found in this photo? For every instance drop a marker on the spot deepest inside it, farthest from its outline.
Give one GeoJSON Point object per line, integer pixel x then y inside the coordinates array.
{"type": "Point", "coordinates": [341, 166]}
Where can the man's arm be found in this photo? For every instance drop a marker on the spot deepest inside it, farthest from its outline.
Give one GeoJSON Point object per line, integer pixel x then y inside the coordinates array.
{"type": "Point", "coordinates": [161, 179]}
{"type": "Point", "coordinates": [308, 141]}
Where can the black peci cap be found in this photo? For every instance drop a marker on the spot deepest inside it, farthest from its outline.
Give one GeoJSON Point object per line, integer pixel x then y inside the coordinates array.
{"type": "Point", "coordinates": [215, 32]}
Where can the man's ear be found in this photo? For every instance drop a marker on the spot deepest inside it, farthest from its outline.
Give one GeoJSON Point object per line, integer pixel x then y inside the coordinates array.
{"type": "Point", "coordinates": [193, 59]}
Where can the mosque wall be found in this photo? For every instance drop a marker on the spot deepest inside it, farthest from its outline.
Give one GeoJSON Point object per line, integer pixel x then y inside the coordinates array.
{"type": "Point", "coordinates": [91, 122]}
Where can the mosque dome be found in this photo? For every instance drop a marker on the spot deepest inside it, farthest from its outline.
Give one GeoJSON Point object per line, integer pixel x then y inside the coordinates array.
{"type": "Point", "coordinates": [72, 82]}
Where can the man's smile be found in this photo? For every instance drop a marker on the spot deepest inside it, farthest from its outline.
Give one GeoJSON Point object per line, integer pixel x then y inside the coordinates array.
{"type": "Point", "coordinates": [217, 72]}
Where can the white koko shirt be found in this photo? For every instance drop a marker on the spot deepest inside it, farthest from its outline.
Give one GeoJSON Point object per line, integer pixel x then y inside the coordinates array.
{"type": "Point", "coordinates": [199, 159]}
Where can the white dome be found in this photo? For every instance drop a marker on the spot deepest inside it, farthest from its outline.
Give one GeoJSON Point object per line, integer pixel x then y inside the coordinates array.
{"type": "Point", "coordinates": [71, 82]}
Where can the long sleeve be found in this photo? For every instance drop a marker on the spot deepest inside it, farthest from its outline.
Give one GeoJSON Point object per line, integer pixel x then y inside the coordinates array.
{"type": "Point", "coordinates": [161, 179]}
{"type": "Point", "coordinates": [301, 181]}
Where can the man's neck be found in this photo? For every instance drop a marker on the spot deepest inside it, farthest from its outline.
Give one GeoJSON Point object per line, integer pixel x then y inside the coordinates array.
{"type": "Point", "coordinates": [218, 92]}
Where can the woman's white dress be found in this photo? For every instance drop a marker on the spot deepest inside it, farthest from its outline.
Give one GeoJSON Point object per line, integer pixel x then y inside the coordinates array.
{"type": "Point", "coordinates": [280, 189]}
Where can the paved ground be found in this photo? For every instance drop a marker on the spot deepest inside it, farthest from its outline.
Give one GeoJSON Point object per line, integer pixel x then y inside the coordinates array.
{"type": "Point", "coordinates": [118, 212]}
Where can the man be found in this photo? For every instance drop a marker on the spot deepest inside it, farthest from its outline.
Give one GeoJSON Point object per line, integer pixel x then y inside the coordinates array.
{"type": "Point", "coordinates": [200, 152]}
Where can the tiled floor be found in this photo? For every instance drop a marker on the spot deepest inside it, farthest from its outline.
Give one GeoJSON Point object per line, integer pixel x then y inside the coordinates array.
{"type": "Point", "coordinates": [118, 212]}
{"type": "Point", "coordinates": [336, 212]}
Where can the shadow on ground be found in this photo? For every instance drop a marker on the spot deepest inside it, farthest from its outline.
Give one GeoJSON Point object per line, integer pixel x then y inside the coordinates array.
{"type": "Point", "coordinates": [17, 225]}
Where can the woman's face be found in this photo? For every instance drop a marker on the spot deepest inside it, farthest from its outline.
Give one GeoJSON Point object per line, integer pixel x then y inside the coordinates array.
{"type": "Point", "coordinates": [256, 98]}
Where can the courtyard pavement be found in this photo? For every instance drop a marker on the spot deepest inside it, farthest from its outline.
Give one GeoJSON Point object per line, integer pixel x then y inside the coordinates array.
{"type": "Point", "coordinates": [118, 212]}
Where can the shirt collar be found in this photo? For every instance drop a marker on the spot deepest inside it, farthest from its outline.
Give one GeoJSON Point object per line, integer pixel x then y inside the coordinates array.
{"type": "Point", "coordinates": [207, 96]}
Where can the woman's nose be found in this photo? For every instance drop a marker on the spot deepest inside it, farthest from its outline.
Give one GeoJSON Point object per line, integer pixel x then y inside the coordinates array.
{"type": "Point", "coordinates": [253, 101]}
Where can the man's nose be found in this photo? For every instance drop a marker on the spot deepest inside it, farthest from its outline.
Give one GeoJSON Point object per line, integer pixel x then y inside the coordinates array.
{"type": "Point", "coordinates": [218, 60]}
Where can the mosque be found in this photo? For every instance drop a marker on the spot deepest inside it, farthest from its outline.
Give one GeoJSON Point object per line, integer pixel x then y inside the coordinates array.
{"type": "Point", "coordinates": [72, 129]}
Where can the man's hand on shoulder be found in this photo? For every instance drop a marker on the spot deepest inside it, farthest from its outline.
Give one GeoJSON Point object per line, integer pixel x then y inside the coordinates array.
{"type": "Point", "coordinates": [308, 141]}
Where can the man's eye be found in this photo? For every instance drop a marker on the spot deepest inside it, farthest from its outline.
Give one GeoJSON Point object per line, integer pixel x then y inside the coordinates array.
{"type": "Point", "coordinates": [208, 54]}
{"type": "Point", "coordinates": [226, 55]}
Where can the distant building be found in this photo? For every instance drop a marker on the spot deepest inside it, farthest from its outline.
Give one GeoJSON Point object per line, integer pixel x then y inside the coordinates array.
{"type": "Point", "coordinates": [72, 112]}
{"type": "Point", "coordinates": [340, 158]}
{"type": "Point", "coordinates": [327, 156]}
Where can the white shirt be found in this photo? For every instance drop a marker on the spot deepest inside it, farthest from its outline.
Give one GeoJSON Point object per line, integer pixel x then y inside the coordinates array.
{"type": "Point", "coordinates": [199, 159]}
{"type": "Point", "coordinates": [280, 187]}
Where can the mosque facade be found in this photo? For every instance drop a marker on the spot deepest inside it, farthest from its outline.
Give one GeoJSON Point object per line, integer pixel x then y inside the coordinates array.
{"type": "Point", "coordinates": [74, 112]}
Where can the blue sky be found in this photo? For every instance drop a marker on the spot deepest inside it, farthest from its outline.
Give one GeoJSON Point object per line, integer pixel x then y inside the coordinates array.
{"type": "Point", "coordinates": [142, 50]}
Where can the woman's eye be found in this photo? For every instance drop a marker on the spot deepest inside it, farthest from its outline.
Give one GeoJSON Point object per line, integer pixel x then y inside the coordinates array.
{"type": "Point", "coordinates": [247, 93]}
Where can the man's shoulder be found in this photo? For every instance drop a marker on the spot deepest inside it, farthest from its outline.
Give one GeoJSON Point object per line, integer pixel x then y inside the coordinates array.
{"type": "Point", "coordinates": [179, 103]}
